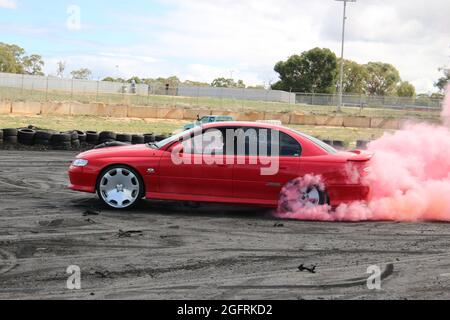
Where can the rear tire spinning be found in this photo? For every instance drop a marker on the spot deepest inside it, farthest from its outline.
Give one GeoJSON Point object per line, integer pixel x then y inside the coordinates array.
{"type": "Point", "coordinates": [296, 197]}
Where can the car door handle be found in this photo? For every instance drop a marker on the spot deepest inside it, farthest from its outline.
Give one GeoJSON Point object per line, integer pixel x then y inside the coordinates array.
{"type": "Point", "coordinates": [273, 185]}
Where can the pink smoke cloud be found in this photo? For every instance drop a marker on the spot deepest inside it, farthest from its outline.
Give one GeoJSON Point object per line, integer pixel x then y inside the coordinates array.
{"type": "Point", "coordinates": [409, 179]}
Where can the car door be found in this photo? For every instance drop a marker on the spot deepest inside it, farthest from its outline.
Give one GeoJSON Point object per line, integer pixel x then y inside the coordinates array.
{"type": "Point", "coordinates": [203, 171]}
{"type": "Point", "coordinates": [261, 173]}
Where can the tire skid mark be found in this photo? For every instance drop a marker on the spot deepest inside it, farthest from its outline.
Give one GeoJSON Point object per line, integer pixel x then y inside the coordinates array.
{"type": "Point", "coordinates": [41, 236]}
{"type": "Point", "coordinates": [388, 271]}
{"type": "Point", "coordinates": [247, 284]}
{"type": "Point", "coordinates": [9, 259]}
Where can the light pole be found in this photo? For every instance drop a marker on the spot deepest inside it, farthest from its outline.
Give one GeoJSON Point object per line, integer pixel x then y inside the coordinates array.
{"type": "Point", "coordinates": [341, 80]}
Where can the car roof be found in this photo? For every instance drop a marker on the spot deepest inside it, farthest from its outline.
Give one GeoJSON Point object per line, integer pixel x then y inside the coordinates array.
{"type": "Point", "coordinates": [244, 124]}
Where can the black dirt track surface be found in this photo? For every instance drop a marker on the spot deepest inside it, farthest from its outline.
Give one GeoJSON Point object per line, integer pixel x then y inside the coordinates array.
{"type": "Point", "coordinates": [209, 252]}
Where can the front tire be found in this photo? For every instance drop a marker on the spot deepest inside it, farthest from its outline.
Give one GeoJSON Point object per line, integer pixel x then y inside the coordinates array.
{"type": "Point", "coordinates": [296, 197]}
{"type": "Point", "coordinates": [120, 187]}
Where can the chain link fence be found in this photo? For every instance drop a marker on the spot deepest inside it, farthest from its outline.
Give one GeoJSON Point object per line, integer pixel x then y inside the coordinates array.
{"type": "Point", "coordinates": [16, 87]}
{"type": "Point", "coordinates": [363, 101]}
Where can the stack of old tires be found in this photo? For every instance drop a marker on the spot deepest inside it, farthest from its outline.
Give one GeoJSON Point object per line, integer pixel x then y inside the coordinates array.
{"type": "Point", "coordinates": [92, 138]}
{"type": "Point", "coordinates": [160, 138]}
{"type": "Point", "coordinates": [81, 136]}
{"type": "Point", "coordinates": [10, 136]}
{"type": "Point", "coordinates": [362, 144]}
{"type": "Point", "coordinates": [73, 139]}
{"type": "Point", "coordinates": [125, 138]}
{"type": "Point", "coordinates": [61, 141]}
{"type": "Point", "coordinates": [137, 139]}
{"type": "Point", "coordinates": [43, 137]}
{"type": "Point", "coordinates": [26, 136]}
{"type": "Point", "coordinates": [340, 145]}
{"type": "Point", "coordinates": [149, 138]}
{"type": "Point", "coordinates": [107, 136]}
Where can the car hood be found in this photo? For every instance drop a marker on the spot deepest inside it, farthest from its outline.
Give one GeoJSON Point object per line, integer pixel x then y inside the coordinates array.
{"type": "Point", "coordinates": [141, 150]}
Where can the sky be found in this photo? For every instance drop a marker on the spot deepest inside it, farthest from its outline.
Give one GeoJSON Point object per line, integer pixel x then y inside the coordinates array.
{"type": "Point", "coordinates": [203, 39]}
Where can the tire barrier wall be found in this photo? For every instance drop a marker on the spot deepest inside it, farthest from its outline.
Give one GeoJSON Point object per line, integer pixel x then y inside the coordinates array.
{"type": "Point", "coordinates": [150, 112]}
{"type": "Point", "coordinates": [74, 139]}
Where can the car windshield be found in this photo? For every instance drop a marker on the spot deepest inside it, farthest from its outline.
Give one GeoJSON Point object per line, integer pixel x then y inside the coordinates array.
{"type": "Point", "coordinates": [169, 140]}
{"type": "Point", "coordinates": [318, 142]}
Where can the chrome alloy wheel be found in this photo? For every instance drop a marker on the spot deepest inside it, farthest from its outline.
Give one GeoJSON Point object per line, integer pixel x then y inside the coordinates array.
{"type": "Point", "coordinates": [310, 196]}
{"type": "Point", "coordinates": [119, 188]}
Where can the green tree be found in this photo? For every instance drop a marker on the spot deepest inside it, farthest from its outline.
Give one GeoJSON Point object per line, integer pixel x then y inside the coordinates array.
{"type": "Point", "coordinates": [258, 86]}
{"type": "Point", "coordinates": [312, 71]}
{"type": "Point", "coordinates": [195, 83]}
{"type": "Point", "coordinates": [11, 58]}
{"type": "Point", "coordinates": [173, 81]}
{"type": "Point", "coordinates": [406, 89]}
{"type": "Point", "coordinates": [227, 83]}
{"type": "Point", "coordinates": [437, 95]}
{"type": "Point", "coordinates": [111, 79]}
{"type": "Point", "coordinates": [82, 74]}
{"type": "Point", "coordinates": [381, 78]}
{"type": "Point", "coordinates": [33, 65]}
{"type": "Point", "coordinates": [137, 80]}
{"type": "Point", "coordinates": [354, 75]}
{"type": "Point", "coordinates": [443, 81]}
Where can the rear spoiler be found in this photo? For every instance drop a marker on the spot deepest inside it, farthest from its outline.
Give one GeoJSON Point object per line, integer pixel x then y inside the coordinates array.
{"type": "Point", "coordinates": [360, 156]}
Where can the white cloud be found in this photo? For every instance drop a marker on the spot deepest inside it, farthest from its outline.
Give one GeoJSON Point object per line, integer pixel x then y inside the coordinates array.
{"type": "Point", "coordinates": [8, 4]}
{"type": "Point", "coordinates": [203, 39]}
{"type": "Point", "coordinates": [412, 35]}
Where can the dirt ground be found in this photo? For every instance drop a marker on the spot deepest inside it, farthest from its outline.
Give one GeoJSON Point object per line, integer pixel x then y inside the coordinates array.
{"type": "Point", "coordinates": [210, 252]}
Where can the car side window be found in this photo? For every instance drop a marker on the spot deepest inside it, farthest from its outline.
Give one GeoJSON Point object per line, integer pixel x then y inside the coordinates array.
{"type": "Point", "coordinates": [210, 142]}
{"type": "Point", "coordinates": [246, 141]}
{"type": "Point", "coordinates": [250, 141]}
{"type": "Point", "coordinates": [287, 146]}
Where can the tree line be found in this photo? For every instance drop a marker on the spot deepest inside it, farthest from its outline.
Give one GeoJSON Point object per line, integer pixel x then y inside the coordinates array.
{"type": "Point", "coordinates": [317, 71]}
{"type": "Point", "coordinates": [313, 71]}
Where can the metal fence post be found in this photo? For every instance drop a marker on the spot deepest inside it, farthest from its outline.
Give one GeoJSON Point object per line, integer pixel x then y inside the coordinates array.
{"type": "Point", "coordinates": [21, 92]}
{"type": "Point", "coordinates": [173, 98]}
{"type": "Point", "coordinates": [71, 92]}
{"type": "Point", "coordinates": [46, 91]}
{"type": "Point", "coordinates": [198, 96]}
{"type": "Point", "coordinates": [98, 87]}
{"type": "Point", "coordinates": [243, 99]}
{"type": "Point", "coordinates": [123, 92]}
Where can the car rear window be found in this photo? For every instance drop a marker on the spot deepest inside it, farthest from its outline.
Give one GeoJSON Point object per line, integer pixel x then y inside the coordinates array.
{"type": "Point", "coordinates": [318, 142]}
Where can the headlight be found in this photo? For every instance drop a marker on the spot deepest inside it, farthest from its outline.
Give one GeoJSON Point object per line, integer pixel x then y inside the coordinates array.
{"type": "Point", "coordinates": [80, 163]}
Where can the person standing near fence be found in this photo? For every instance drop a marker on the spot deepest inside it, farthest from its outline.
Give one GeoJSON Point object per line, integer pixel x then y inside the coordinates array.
{"type": "Point", "coordinates": [133, 86]}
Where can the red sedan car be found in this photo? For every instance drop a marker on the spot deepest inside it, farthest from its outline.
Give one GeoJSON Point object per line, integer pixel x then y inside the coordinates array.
{"type": "Point", "coordinates": [229, 162]}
